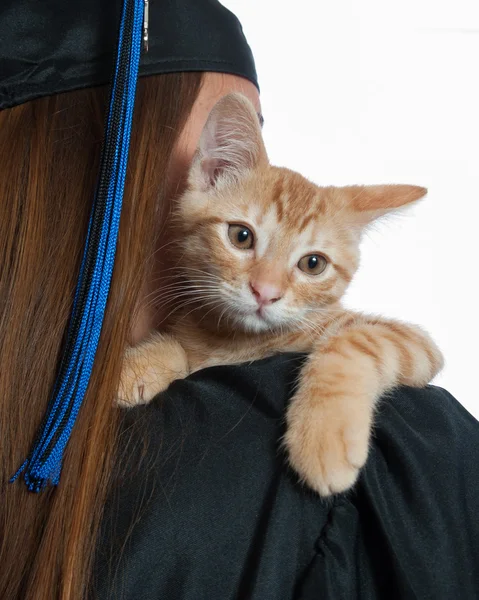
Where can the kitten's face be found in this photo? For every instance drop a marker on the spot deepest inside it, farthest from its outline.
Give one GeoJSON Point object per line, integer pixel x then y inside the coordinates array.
{"type": "Point", "coordinates": [270, 252]}
{"type": "Point", "coordinates": [263, 248]}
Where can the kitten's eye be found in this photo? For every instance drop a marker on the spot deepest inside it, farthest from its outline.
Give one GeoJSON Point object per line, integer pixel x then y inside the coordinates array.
{"type": "Point", "coordinates": [241, 236]}
{"type": "Point", "coordinates": [313, 264]}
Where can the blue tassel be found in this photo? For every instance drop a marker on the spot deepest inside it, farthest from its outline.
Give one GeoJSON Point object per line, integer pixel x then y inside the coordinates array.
{"type": "Point", "coordinates": [43, 466]}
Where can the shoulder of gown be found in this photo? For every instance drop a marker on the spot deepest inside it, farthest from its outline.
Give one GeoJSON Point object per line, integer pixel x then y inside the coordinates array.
{"type": "Point", "coordinates": [204, 505]}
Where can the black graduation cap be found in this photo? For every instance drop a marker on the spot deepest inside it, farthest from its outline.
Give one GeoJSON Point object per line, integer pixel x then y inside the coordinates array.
{"type": "Point", "coordinates": [53, 46]}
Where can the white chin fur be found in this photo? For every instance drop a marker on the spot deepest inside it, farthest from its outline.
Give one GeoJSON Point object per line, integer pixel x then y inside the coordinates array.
{"type": "Point", "coordinates": [243, 314]}
{"type": "Point", "coordinates": [253, 323]}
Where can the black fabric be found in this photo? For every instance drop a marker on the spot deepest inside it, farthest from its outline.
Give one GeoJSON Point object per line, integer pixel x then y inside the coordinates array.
{"type": "Point", "coordinates": [52, 46]}
{"type": "Point", "coordinates": [214, 514]}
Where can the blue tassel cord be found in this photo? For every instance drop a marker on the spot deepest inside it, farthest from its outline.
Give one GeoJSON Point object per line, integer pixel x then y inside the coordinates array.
{"type": "Point", "coordinates": [43, 466]}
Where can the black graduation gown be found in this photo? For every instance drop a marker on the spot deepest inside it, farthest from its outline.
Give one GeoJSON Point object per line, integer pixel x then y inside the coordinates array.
{"type": "Point", "coordinates": [213, 513]}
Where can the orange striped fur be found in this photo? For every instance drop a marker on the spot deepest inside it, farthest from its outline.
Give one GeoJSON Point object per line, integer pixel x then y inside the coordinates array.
{"type": "Point", "coordinates": [235, 304]}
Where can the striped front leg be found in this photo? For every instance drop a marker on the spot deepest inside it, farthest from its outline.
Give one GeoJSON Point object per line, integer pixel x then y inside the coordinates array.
{"type": "Point", "coordinates": [330, 416]}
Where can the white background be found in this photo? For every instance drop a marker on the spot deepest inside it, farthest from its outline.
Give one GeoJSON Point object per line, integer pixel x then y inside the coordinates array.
{"type": "Point", "coordinates": [375, 91]}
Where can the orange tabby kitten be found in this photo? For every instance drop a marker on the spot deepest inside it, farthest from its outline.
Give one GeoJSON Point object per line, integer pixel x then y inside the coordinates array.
{"type": "Point", "coordinates": [265, 258]}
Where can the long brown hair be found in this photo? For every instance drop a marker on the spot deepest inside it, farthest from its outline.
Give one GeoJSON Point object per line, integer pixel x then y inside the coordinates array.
{"type": "Point", "coordinates": [49, 158]}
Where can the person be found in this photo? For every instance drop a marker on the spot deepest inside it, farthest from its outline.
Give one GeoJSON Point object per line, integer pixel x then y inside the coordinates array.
{"type": "Point", "coordinates": [189, 497]}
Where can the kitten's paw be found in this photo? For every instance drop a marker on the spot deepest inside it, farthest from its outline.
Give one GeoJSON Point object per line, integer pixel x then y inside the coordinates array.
{"type": "Point", "coordinates": [149, 369]}
{"type": "Point", "coordinates": [326, 444]}
{"type": "Point", "coordinates": [140, 382]}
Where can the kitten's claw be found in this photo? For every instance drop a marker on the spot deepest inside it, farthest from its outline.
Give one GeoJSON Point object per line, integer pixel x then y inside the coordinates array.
{"type": "Point", "coordinates": [139, 384]}
{"type": "Point", "coordinates": [149, 369]}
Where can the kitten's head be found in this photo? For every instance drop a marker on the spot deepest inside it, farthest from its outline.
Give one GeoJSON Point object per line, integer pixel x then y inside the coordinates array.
{"type": "Point", "coordinates": [264, 247]}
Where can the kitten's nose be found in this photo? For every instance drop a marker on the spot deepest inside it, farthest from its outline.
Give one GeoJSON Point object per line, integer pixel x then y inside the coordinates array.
{"type": "Point", "coordinates": [265, 293]}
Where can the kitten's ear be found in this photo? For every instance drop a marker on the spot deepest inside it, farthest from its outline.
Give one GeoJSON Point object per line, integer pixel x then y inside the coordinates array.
{"type": "Point", "coordinates": [230, 144]}
{"type": "Point", "coordinates": [373, 201]}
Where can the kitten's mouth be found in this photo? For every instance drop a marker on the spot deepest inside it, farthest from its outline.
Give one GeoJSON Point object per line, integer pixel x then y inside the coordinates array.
{"type": "Point", "coordinates": [262, 317]}
{"type": "Point", "coordinates": [260, 312]}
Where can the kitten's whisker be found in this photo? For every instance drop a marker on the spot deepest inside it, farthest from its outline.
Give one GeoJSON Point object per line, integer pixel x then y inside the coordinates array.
{"type": "Point", "coordinates": [181, 289]}
{"type": "Point", "coordinates": [170, 281]}
{"type": "Point", "coordinates": [202, 305]}
{"type": "Point", "coordinates": [178, 289]}
{"type": "Point", "coordinates": [188, 276]}
{"type": "Point", "coordinates": [215, 303]}
{"type": "Point", "coordinates": [183, 283]}
{"type": "Point", "coordinates": [189, 272]}
{"type": "Point", "coordinates": [173, 296]}
{"type": "Point", "coordinates": [211, 309]}
{"type": "Point", "coordinates": [221, 315]}
{"type": "Point", "coordinates": [157, 295]}
{"type": "Point", "coordinates": [152, 255]}
{"type": "Point", "coordinates": [196, 270]}
{"type": "Point", "coordinates": [170, 295]}
{"type": "Point", "coordinates": [197, 300]}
